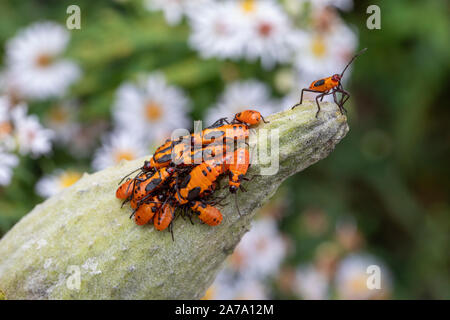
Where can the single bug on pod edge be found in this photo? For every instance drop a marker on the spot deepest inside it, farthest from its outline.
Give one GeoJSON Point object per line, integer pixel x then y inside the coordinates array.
{"type": "Point", "coordinates": [249, 117]}
{"type": "Point", "coordinates": [330, 85]}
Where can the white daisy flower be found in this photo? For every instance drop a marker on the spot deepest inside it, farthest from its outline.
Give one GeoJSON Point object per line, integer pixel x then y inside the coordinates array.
{"type": "Point", "coordinates": [260, 252]}
{"type": "Point", "coordinates": [116, 147]}
{"type": "Point", "coordinates": [30, 136]}
{"type": "Point", "coordinates": [270, 35]}
{"type": "Point", "coordinates": [61, 118]}
{"type": "Point", "coordinates": [7, 88]}
{"type": "Point", "coordinates": [256, 258]}
{"type": "Point", "coordinates": [7, 163]}
{"type": "Point", "coordinates": [227, 286]}
{"type": "Point", "coordinates": [322, 54]}
{"type": "Point", "coordinates": [6, 126]}
{"type": "Point", "coordinates": [4, 109]}
{"type": "Point", "coordinates": [240, 96]}
{"type": "Point", "coordinates": [345, 5]}
{"type": "Point", "coordinates": [311, 284]}
{"type": "Point", "coordinates": [53, 183]}
{"type": "Point", "coordinates": [218, 30]}
{"type": "Point", "coordinates": [34, 66]}
{"type": "Point", "coordinates": [174, 10]}
{"type": "Point", "coordinates": [151, 109]}
{"type": "Point", "coordinates": [352, 278]}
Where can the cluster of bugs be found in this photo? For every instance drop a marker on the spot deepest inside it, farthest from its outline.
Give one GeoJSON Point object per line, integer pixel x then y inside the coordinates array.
{"type": "Point", "coordinates": [183, 174]}
{"type": "Point", "coordinates": [330, 85]}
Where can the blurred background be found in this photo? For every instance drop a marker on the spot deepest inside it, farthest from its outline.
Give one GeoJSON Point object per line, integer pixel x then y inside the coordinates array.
{"type": "Point", "coordinates": [80, 100]}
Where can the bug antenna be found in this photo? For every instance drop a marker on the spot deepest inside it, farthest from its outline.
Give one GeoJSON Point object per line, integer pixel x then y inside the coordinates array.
{"type": "Point", "coordinates": [354, 57]}
{"type": "Point", "coordinates": [237, 206]}
{"type": "Point", "coordinates": [129, 175]}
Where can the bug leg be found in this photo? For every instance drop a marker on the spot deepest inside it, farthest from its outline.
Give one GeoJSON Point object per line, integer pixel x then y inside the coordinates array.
{"type": "Point", "coordinates": [235, 121]}
{"type": "Point", "coordinates": [264, 120]}
{"type": "Point", "coordinates": [301, 100]}
{"type": "Point", "coordinates": [125, 201]}
{"type": "Point", "coordinates": [318, 105]}
{"type": "Point", "coordinates": [338, 103]}
{"type": "Point", "coordinates": [171, 224]}
{"type": "Point", "coordinates": [132, 214]}
{"type": "Point", "coordinates": [219, 122]}
{"type": "Point", "coordinates": [345, 96]}
{"type": "Point", "coordinates": [237, 206]}
{"type": "Point", "coordinates": [190, 219]}
{"type": "Point", "coordinates": [217, 201]}
{"type": "Point", "coordinates": [301, 97]}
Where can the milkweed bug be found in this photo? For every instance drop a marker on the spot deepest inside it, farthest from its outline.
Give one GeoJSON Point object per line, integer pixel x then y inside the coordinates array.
{"type": "Point", "coordinates": [330, 85]}
{"type": "Point", "coordinates": [126, 189]}
{"type": "Point", "coordinates": [198, 181]}
{"type": "Point", "coordinates": [164, 217]}
{"type": "Point", "coordinates": [207, 213]}
{"type": "Point", "coordinates": [147, 186]}
{"type": "Point", "coordinates": [238, 168]}
{"type": "Point", "coordinates": [146, 211]}
{"type": "Point", "coordinates": [249, 117]}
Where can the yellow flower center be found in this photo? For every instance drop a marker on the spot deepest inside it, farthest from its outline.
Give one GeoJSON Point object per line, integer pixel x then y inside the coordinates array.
{"type": "Point", "coordinates": [358, 284]}
{"type": "Point", "coordinates": [209, 294]}
{"type": "Point", "coordinates": [248, 5]}
{"type": "Point", "coordinates": [318, 47]}
{"type": "Point", "coordinates": [43, 60]}
{"type": "Point", "coordinates": [5, 128]}
{"type": "Point", "coordinates": [153, 111]}
{"type": "Point", "coordinates": [68, 178]}
{"type": "Point", "coordinates": [58, 115]}
{"type": "Point", "coordinates": [124, 155]}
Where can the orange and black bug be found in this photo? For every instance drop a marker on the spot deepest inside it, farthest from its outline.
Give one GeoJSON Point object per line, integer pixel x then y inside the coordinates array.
{"type": "Point", "coordinates": [249, 117]}
{"type": "Point", "coordinates": [164, 217]}
{"type": "Point", "coordinates": [236, 131]}
{"type": "Point", "coordinates": [162, 156]}
{"type": "Point", "coordinates": [199, 180]}
{"type": "Point", "coordinates": [146, 211]}
{"type": "Point", "coordinates": [330, 85]}
{"type": "Point", "coordinates": [219, 134]}
{"type": "Point", "coordinates": [147, 186]}
{"type": "Point", "coordinates": [238, 168]}
{"type": "Point", "coordinates": [207, 213]}
{"type": "Point", "coordinates": [126, 189]}
{"type": "Point", "coordinates": [210, 152]}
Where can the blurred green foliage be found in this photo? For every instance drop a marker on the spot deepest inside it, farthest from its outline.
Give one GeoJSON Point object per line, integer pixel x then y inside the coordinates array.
{"type": "Point", "coordinates": [391, 173]}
